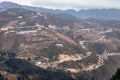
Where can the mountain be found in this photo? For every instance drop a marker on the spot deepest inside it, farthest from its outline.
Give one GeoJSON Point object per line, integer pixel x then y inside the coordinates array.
{"type": "Point", "coordinates": [60, 44]}
{"type": "Point", "coordinates": [53, 42]}
{"type": "Point", "coordinates": [6, 5]}
{"type": "Point", "coordinates": [33, 17]}
{"type": "Point", "coordinates": [100, 14]}
{"type": "Point", "coordinates": [81, 14]}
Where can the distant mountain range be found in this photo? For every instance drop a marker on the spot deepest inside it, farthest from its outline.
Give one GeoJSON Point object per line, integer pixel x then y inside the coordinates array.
{"type": "Point", "coordinates": [106, 14]}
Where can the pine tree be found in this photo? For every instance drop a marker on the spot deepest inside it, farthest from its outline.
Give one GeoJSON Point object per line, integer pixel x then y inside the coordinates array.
{"type": "Point", "coordinates": [1, 77]}
{"type": "Point", "coordinates": [116, 76]}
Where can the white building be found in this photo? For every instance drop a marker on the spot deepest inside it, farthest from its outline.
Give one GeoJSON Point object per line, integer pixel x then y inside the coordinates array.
{"type": "Point", "coordinates": [59, 45]}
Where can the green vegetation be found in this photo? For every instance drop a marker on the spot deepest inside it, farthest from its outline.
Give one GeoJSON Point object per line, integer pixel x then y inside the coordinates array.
{"type": "Point", "coordinates": [1, 77]}
{"type": "Point", "coordinates": [23, 70]}
{"type": "Point", "coordinates": [116, 76]}
{"type": "Point", "coordinates": [98, 47]}
{"type": "Point", "coordinates": [18, 69]}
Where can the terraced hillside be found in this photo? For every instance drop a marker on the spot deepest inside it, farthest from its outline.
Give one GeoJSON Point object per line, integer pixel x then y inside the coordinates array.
{"type": "Point", "coordinates": [80, 48]}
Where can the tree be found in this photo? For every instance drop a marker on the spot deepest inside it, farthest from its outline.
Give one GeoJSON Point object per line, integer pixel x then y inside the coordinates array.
{"type": "Point", "coordinates": [116, 76]}
{"type": "Point", "coordinates": [1, 77]}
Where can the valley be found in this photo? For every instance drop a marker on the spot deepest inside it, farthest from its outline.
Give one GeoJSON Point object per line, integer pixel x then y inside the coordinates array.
{"type": "Point", "coordinates": [84, 49]}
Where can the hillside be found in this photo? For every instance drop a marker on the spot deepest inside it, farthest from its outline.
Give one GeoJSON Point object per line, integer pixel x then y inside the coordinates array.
{"type": "Point", "coordinates": [104, 14]}
{"type": "Point", "coordinates": [17, 69]}
{"type": "Point", "coordinates": [50, 43]}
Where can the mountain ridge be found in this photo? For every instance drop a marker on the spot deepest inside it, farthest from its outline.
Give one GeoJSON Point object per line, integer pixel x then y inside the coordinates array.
{"type": "Point", "coordinates": [81, 14]}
